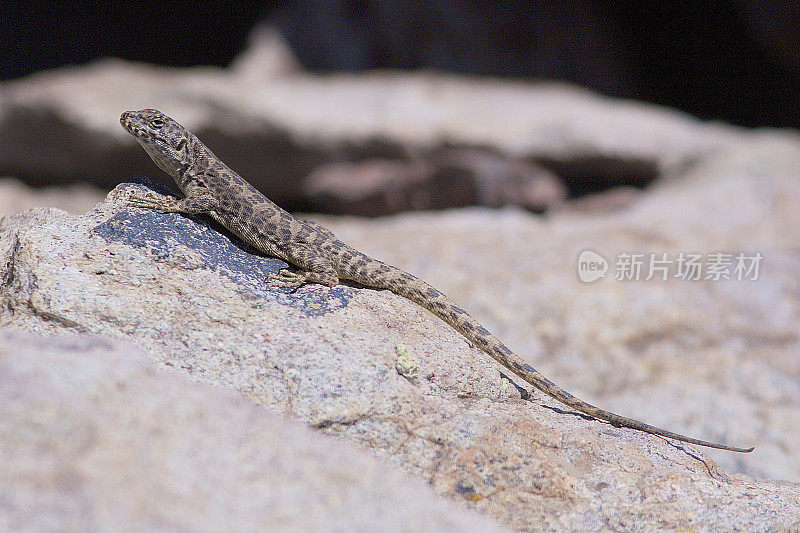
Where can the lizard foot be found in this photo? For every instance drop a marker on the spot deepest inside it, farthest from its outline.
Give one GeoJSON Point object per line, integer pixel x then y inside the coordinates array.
{"type": "Point", "coordinates": [286, 279]}
{"type": "Point", "coordinates": [152, 201]}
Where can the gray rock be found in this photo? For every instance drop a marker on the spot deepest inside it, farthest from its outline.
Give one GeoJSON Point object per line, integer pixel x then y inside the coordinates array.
{"type": "Point", "coordinates": [661, 351]}
{"type": "Point", "coordinates": [453, 179]}
{"type": "Point", "coordinates": [16, 196]}
{"type": "Point", "coordinates": [94, 438]}
{"type": "Point", "coordinates": [277, 125]}
{"type": "Point", "coordinates": [716, 359]}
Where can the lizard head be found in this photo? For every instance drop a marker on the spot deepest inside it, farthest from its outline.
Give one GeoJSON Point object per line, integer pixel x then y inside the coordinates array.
{"type": "Point", "coordinates": [163, 138]}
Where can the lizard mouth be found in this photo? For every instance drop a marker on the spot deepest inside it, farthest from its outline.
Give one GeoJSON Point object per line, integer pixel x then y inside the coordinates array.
{"type": "Point", "coordinates": [129, 123]}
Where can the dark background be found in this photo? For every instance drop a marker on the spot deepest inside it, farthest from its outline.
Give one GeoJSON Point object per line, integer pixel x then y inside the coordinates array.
{"type": "Point", "coordinates": [737, 61]}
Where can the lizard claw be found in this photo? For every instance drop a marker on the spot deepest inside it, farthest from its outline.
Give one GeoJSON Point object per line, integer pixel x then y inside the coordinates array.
{"type": "Point", "coordinates": [285, 278]}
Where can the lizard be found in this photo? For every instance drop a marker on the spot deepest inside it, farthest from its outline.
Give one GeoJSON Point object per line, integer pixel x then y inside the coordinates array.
{"type": "Point", "coordinates": [211, 188]}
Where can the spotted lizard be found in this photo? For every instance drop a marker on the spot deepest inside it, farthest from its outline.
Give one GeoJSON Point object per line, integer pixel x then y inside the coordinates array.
{"type": "Point", "coordinates": [213, 189]}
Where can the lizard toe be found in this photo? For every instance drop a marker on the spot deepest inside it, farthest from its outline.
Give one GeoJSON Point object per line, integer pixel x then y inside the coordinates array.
{"type": "Point", "coordinates": [286, 279]}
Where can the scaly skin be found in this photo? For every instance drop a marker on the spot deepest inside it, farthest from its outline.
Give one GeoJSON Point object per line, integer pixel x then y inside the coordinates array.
{"type": "Point", "coordinates": [211, 188]}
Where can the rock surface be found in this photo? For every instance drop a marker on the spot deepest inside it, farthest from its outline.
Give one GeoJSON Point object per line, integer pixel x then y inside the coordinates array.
{"type": "Point", "coordinates": [276, 126]}
{"type": "Point", "coordinates": [715, 359]}
{"type": "Point", "coordinates": [376, 370]}
{"type": "Point", "coordinates": [455, 179]}
{"type": "Point", "coordinates": [15, 196]}
{"type": "Point", "coordinates": [94, 438]}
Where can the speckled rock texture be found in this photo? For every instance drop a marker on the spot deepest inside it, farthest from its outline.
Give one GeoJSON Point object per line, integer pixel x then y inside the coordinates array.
{"type": "Point", "coordinates": [93, 437]}
{"type": "Point", "coordinates": [707, 358]}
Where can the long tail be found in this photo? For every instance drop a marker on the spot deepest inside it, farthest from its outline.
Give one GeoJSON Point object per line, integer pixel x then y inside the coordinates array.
{"type": "Point", "coordinates": [383, 276]}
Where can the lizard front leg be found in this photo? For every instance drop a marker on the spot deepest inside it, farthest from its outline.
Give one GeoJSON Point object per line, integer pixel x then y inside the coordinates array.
{"type": "Point", "coordinates": [199, 202]}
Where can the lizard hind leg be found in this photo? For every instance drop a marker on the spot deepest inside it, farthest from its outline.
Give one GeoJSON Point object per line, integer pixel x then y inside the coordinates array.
{"type": "Point", "coordinates": [285, 278]}
{"type": "Point", "coordinates": [288, 279]}
{"type": "Point", "coordinates": [314, 268]}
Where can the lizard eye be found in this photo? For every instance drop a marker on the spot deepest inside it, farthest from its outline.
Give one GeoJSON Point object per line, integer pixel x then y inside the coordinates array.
{"type": "Point", "coordinates": [157, 123]}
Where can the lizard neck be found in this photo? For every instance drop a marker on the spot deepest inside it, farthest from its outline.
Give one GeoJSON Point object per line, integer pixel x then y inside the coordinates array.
{"type": "Point", "coordinates": [188, 172]}
{"type": "Point", "coordinates": [177, 161]}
